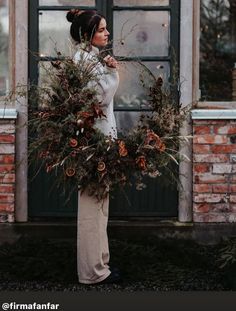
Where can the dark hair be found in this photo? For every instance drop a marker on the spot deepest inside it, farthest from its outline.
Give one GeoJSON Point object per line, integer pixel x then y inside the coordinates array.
{"type": "Point", "coordinates": [84, 24]}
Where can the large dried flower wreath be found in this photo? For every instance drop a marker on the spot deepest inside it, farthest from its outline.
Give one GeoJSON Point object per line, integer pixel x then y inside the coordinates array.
{"type": "Point", "coordinates": [65, 141]}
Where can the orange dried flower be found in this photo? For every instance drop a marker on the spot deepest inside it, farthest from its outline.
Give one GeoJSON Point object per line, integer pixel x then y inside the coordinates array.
{"type": "Point", "coordinates": [43, 154]}
{"type": "Point", "coordinates": [122, 149]}
{"type": "Point", "coordinates": [162, 147]}
{"type": "Point", "coordinates": [45, 115]}
{"type": "Point", "coordinates": [154, 140]}
{"type": "Point", "coordinates": [73, 142]}
{"type": "Point", "coordinates": [101, 166]}
{"type": "Point", "coordinates": [70, 171]}
{"type": "Point", "coordinates": [141, 162]}
{"type": "Point", "coordinates": [85, 114]}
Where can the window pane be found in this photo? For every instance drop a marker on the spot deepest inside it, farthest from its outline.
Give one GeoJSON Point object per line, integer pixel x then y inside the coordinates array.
{"type": "Point", "coordinates": [141, 33]}
{"type": "Point", "coordinates": [54, 33]}
{"type": "Point", "coordinates": [45, 69]}
{"type": "Point", "coordinates": [68, 2]}
{"type": "Point", "coordinates": [218, 50]}
{"type": "Point", "coordinates": [131, 93]}
{"type": "Point", "coordinates": [141, 2]}
{"type": "Point", "coordinates": [4, 33]}
{"type": "Point", "coordinates": [126, 120]}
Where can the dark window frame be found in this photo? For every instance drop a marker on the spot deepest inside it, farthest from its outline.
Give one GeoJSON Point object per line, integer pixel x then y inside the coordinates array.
{"type": "Point", "coordinates": [106, 8]}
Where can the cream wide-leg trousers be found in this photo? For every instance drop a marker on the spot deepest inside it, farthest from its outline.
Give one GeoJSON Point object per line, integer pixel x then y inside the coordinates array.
{"type": "Point", "coordinates": [92, 241]}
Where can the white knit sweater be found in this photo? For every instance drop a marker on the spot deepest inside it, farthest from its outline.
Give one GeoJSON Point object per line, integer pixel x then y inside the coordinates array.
{"type": "Point", "coordinates": [106, 87]}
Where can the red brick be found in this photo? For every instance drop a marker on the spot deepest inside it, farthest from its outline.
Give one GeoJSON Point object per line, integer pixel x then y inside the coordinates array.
{"type": "Point", "coordinates": [222, 207]}
{"type": "Point", "coordinates": [209, 178]}
{"type": "Point", "coordinates": [232, 188]}
{"type": "Point", "coordinates": [7, 159]}
{"type": "Point", "coordinates": [232, 198]}
{"type": "Point", "coordinates": [227, 129]}
{"type": "Point", "coordinates": [233, 207]}
{"type": "Point", "coordinates": [7, 127]}
{"type": "Point", "coordinates": [223, 188]}
{"type": "Point", "coordinates": [231, 217]}
{"type": "Point", "coordinates": [201, 168]}
{"type": "Point", "coordinates": [209, 217]}
{"type": "Point", "coordinates": [201, 129]}
{"type": "Point", "coordinates": [7, 148]}
{"type": "Point", "coordinates": [6, 188]}
{"type": "Point", "coordinates": [6, 198]}
{"type": "Point", "coordinates": [210, 158]}
{"type": "Point", "coordinates": [223, 149]}
{"type": "Point", "coordinates": [7, 138]}
{"type": "Point", "coordinates": [7, 168]}
{"type": "Point", "coordinates": [7, 178]}
{"type": "Point", "coordinates": [202, 188]}
{"type": "Point", "coordinates": [232, 178]}
{"type": "Point", "coordinates": [222, 168]}
{"type": "Point", "coordinates": [210, 139]}
{"type": "Point", "coordinates": [201, 148]}
{"type": "Point", "coordinates": [201, 208]}
{"type": "Point", "coordinates": [209, 198]}
{"type": "Point", "coordinates": [6, 207]}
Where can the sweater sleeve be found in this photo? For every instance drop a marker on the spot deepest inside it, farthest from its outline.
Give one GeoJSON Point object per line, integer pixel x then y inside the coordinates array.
{"type": "Point", "coordinates": [108, 79]}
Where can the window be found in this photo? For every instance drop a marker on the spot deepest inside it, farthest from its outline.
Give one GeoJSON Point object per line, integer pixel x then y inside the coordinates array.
{"type": "Point", "coordinates": [147, 31]}
{"type": "Point", "coordinates": [218, 50]}
{"type": "Point", "coordinates": [4, 33]}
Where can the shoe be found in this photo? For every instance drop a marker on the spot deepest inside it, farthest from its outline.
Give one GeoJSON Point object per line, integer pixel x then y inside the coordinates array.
{"type": "Point", "coordinates": [114, 277]}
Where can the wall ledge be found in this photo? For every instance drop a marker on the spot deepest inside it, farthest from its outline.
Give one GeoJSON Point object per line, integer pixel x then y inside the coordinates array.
{"type": "Point", "coordinates": [213, 114]}
{"type": "Point", "coordinates": [8, 113]}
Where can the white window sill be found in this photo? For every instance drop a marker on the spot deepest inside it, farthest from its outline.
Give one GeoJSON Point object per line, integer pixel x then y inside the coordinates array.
{"type": "Point", "coordinates": [8, 113]}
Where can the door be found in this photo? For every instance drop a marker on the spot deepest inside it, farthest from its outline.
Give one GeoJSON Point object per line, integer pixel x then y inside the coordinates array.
{"type": "Point", "coordinates": [146, 31]}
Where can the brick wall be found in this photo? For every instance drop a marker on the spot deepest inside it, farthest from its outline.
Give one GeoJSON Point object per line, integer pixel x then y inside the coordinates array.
{"type": "Point", "coordinates": [214, 170]}
{"type": "Point", "coordinates": [7, 170]}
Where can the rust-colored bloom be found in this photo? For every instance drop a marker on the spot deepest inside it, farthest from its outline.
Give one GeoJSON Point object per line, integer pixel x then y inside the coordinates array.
{"type": "Point", "coordinates": [141, 162]}
{"type": "Point", "coordinates": [122, 149]}
{"type": "Point", "coordinates": [98, 111]}
{"type": "Point", "coordinates": [162, 147]}
{"type": "Point", "coordinates": [73, 142]}
{"type": "Point", "coordinates": [101, 166]}
{"type": "Point", "coordinates": [154, 140]}
{"type": "Point", "coordinates": [44, 115]}
{"type": "Point", "coordinates": [87, 118]}
{"type": "Point", "coordinates": [43, 154]}
{"type": "Point", "coordinates": [70, 171]}
{"type": "Point", "coordinates": [85, 114]}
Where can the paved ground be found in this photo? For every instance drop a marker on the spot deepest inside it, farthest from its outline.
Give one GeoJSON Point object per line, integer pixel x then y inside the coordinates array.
{"type": "Point", "coordinates": [148, 264]}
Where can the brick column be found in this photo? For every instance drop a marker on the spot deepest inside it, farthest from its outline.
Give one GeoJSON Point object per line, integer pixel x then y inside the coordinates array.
{"type": "Point", "coordinates": [7, 170]}
{"type": "Point", "coordinates": [214, 170]}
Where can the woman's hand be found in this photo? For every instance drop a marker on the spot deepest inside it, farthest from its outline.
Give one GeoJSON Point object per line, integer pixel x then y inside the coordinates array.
{"type": "Point", "coordinates": [110, 61]}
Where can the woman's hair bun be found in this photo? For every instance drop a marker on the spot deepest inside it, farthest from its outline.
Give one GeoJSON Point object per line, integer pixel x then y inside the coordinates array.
{"type": "Point", "coordinates": [72, 14]}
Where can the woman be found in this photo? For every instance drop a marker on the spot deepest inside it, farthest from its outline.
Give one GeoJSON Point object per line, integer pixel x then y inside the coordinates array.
{"type": "Point", "coordinates": [88, 30]}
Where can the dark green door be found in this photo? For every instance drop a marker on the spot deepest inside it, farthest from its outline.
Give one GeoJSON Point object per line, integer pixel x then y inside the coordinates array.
{"type": "Point", "coordinates": [147, 31]}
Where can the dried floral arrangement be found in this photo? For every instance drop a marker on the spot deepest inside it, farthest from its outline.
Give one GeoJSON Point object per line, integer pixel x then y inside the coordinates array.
{"type": "Point", "coordinates": [64, 139]}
